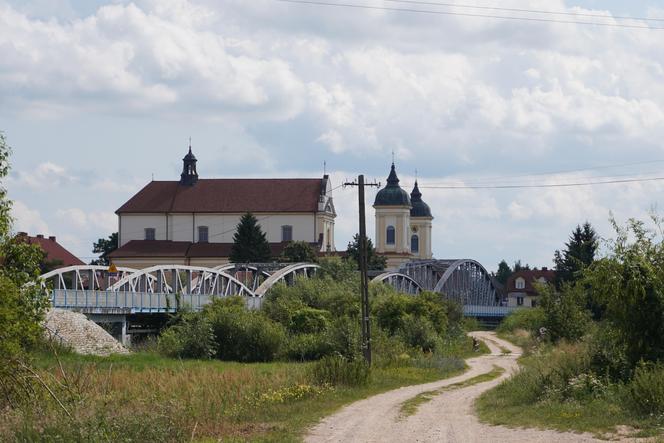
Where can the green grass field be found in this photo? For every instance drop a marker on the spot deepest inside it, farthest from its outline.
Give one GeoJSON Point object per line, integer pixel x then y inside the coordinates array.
{"type": "Point", "coordinates": [145, 397]}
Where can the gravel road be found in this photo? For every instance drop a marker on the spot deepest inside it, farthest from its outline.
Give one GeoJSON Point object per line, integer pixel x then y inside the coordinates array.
{"type": "Point", "coordinates": [447, 418]}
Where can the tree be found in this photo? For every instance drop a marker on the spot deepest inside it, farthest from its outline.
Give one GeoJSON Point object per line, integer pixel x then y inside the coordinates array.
{"type": "Point", "coordinates": [504, 272]}
{"type": "Point", "coordinates": [519, 267]}
{"type": "Point", "coordinates": [298, 252]}
{"type": "Point", "coordinates": [249, 242]}
{"type": "Point", "coordinates": [579, 253]}
{"type": "Point", "coordinates": [374, 261]}
{"type": "Point", "coordinates": [21, 304]}
{"type": "Point", "coordinates": [104, 246]}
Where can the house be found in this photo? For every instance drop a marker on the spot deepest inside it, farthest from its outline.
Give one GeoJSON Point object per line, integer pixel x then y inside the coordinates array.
{"type": "Point", "coordinates": [520, 286]}
{"type": "Point", "coordinates": [403, 223]}
{"type": "Point", "coordinates": [56, 255]}
{"type": "Point", "coordinates": [192, 221]}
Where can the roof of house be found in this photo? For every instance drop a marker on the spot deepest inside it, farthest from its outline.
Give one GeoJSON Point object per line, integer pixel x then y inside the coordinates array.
{"type": "Point", "coordinates": [53, 249]}
{"type": "Point", "coordinates": [530, 276]}
{"type": "Point", "coordinates": [183, 249]}
{"type": "Point", "coordinates": [228, 196]}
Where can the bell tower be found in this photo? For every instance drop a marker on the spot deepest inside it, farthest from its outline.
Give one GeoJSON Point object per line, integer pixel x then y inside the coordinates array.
{"type": "Point", "coordinates": [189, 176]}
{"type": "Point", "coordinates": [420, 226]}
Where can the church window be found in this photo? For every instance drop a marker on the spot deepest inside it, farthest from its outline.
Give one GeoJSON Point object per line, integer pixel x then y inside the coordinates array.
{"type": "Point", "coordinates": [203, 234]}
{"type": "Point", "coordinates": [150, 233]}
{"type": "Point", "coordinates": [390, 237]}
{"type": "Point", "coordinates": [414, 244]}
{"type": "Point", "coordinates": [286, 233]}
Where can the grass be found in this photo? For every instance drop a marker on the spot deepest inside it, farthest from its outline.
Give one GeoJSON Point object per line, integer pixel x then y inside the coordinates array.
{"type": "Point", "coordinates": [145, 397]}
{"type": "Point", "coordinates": [409, 407]}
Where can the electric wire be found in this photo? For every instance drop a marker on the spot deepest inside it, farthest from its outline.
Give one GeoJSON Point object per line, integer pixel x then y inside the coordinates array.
{"type": "Point", "coordinates": [544, 185]}
{"type": "Point", "coordinates": [529, 11]}
{"type": "Point", "coordinates": [468, 14]}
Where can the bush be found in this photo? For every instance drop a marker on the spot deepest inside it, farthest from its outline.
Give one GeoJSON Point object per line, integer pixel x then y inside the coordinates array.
{"type": "Point", "coordinates": [645, 393]}
{"type": "Point", "coordinates": [344, 337]}
{"type": "Point", "coordinates": [243, 335]}
{"type": "Point", "coordinates": [529, 319]}
{"type": "Point", "coordinates": [191, 338]}
{"type": "Point", "coordinates": [565, 314]}
{"type": "Point", "coordinates": [309, 320]}
{"type": "Point", "coordinates": [418, 332]}
{"type": "Point", "coordinates": [308, 347]}
{"type": "Point", "coordinates": [338, 370]}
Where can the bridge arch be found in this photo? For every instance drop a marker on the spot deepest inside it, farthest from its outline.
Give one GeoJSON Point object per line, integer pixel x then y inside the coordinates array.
{"type": "Point", "coordinates": [95, 277]}
{"type": "Point", "coordinates": [467, 282]}
{"type": "Point", "coordinates": [400, 282]}
{"type": "Point", "coordinates": [286, 274]}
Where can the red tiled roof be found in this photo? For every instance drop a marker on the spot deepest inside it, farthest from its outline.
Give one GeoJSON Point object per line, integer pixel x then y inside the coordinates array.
{"type": "Point", "coordinates": [53, 250]}
{"type": "Point", "coordinates": [168, 248]}
{"type": "Point", "coordinates": [227, 196]}
{"type": "Point", "coordinates": [530, 276]}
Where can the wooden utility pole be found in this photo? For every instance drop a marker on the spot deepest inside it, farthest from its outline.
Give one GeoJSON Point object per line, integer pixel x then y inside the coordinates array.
{"type": "Point", "coordinates": [364, 278]}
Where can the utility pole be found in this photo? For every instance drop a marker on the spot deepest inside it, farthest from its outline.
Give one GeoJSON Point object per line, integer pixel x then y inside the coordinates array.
{"type": "Point", "coordinates": [364, 279]}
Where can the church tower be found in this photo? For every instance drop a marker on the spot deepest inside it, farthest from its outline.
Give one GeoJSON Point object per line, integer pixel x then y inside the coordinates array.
{"type": "Point", "coordinates": [420, 226]}
{"type": "Point", "coordinates": [393, 207]}
{"type": "Point", "coordinates": [189, 176]}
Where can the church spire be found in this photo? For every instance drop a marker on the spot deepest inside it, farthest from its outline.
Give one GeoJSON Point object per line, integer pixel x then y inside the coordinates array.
{"type": "Point", "coordinates": [189, 176]}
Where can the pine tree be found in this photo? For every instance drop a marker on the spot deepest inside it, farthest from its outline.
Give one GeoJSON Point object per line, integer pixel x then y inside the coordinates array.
{"type": "Point", "coordinates": [374, 261]}
{"type": "Point", "coordinates": [579, 253]}
{"type": "Point", "coordinates": [249, 242]}
{"type": "Point", "coordinates": [504, 272]}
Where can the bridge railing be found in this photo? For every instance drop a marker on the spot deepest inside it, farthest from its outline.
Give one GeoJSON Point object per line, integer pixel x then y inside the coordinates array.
{"type": "Point", "coordinates": [132, 302]}
{"type": "Point", "coordinates": [488, 311]}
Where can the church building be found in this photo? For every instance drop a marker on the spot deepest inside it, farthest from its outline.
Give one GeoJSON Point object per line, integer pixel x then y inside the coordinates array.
{"type": "Point", "coordinates": [403, 223]}
{"type": "Point", "coordinates": [192, 221]}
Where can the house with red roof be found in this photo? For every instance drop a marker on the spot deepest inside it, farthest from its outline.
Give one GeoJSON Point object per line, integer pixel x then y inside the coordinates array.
{"type": "Point", "coordinates": [55, 252]}
{"type": "Point", "coordinates": [521, 286]}
{"type": "Point", "coordinates": [192, 221]}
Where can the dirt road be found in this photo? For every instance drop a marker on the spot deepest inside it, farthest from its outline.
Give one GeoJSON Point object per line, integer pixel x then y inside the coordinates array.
{"type": "Point", "coordinates": [447, 418]}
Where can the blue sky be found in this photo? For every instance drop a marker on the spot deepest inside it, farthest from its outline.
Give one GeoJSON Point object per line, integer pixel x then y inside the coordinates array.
{"type": "Point", "coordinates": [97, 97]}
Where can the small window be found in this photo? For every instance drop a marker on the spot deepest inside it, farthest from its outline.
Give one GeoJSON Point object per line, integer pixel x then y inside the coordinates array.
{"type": "Point", "coordinates": [519, 301]}
{"type": "Point", "coordinates": [203, 234]}
{"type": "Point", "coordinates": [150, 233]}
{"type": "Point", "coordinates": [533, 303]}
{"type": "Point", "coordinates": [390, 237]}
{"type": "Point", "coordinates": [414, 244]}
{"type": "Point", "coordinates": [520, 283]}
{"type": "Point", "coordinates": [286, 233]}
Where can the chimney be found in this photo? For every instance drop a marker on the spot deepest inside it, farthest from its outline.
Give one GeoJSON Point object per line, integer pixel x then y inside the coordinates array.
{"type": "Point", "coordinates": [40, 235]}
{"type": "Point", "coordinates": [52, 238]}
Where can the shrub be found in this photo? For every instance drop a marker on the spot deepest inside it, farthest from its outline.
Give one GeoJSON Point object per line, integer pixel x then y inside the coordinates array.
{"type": "Point", "coordinates": [299, 251]}
{"type": "Point", "coordinates": [309, 320]}
{"type": "Point", "coordinates": [645, 392]}
{"type": "Point", "coordinates": [338, 370]}
{"type": "Point", "coordinates": [308, 347]}
{"type": "Point", "coordinates": [243, 335]}
{"type": "Point", "coordinates": [344, 337]}
{"type": "Point", "coordinates": [529, 319]}
{"type": "Point", "coordinates": [418, 332]}
{"type": "Point", "coordinates": [565, 316]}
{"type": "Point", "coordinates": [192, 337]}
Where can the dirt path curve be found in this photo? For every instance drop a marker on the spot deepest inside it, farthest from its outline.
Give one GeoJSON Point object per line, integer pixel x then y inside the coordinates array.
{"type": "Point", "coordinates": [447, 418]}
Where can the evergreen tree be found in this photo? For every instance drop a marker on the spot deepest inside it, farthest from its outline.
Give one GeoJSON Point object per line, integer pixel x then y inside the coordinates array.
{"type": "Point", "coordinates": [249, 242]}
{"type": "Point", "coordinates": [519, 267]}
{"type": "Point", "coordinates": [579, 253]}
{"type": "Point", "coordinates": [504, 272]}
{"type": "Point", "coordinates": [104, 247]}
{"type": "Point", "coordinates": [374, 261]}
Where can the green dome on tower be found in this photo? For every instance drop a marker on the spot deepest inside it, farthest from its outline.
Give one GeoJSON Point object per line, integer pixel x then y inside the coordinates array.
{"type": "Point", "coordinates": [392, 194]}
{"type": "Point", "coordinates": [419, 209]}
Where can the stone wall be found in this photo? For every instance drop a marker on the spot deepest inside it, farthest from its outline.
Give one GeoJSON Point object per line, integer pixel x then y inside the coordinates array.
{"type": "Point", "coordinates": [83, 336]}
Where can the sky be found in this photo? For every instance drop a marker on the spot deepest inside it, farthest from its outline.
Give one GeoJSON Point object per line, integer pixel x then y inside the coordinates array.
{"type": "Point", "coordinates": [97, 98]}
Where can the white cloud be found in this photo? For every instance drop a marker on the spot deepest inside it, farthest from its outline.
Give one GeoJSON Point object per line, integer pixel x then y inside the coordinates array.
{"type": "Point", "coordinates": [28, 220]}
{"type": "Point", "coordinates": [88, 221]}
{"type": "Point", "coordinates": [45, 175]}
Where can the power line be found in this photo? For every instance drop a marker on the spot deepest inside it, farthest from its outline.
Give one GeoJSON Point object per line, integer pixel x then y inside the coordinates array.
{"type": "Point", "coordinates": [549, 185]}
{"type": "Point", "coordinates": [529, 11]}
{"type": "Point", "coordinates": [468, 14]}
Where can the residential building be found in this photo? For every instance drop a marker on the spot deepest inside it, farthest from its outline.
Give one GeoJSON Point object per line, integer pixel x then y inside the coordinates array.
{"type": "Point", "coordinates": [521, 286]}
{"type": "Point", "coordinates": [192, 221]}
{"type": "Point", "coordinates": [56, 255]}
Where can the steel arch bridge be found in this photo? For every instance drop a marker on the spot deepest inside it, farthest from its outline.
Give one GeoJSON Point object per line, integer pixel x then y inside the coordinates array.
{"type": "Point", "coordinates": [400, 282]}
{"type": "Point", "coordinates": [162, 288]}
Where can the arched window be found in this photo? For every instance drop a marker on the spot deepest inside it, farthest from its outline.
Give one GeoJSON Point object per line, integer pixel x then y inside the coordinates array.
{"type": "Point", "coordinates": [414, 244]}
{"type": "Point", "coordinates": [203, 234]}
{"type": "Point", "coordinates": [390, 237]}
{"type": "Point", "coordinates": [520, 283]}
{"type": "Point", "coordinates": [286, 233]}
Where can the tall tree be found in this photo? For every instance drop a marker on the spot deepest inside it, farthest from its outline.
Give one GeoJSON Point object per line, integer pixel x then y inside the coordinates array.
{"type": "Point", "coordinates": [519, 267]}
{"type": "Point", "coordinates": [21, 306]}
{"type": "Point", "coordinates": [374, 261]}
{"type": "Point", "coordinates": [104, 246]}
{"type": "Point", "coordinates": [504, 272]}
{"type": "Point", "coordinates": [579, 253]}
{"type": "Point", "coordinates": [249, 242]}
